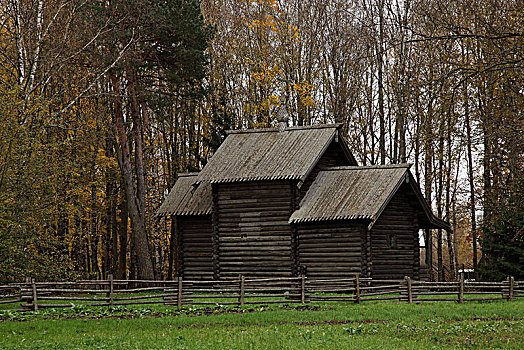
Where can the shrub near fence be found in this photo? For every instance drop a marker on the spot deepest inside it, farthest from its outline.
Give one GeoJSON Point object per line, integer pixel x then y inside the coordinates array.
{"type": "Point", "coordinates": [33, 295]}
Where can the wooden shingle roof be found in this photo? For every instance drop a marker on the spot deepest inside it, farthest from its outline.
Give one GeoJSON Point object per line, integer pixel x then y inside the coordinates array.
{"type": "Point", "coordinates": [358, 193]}
{"type": "Point", "coordinates": [270, 154]}
{"type": "Point", "coordinates": [186, 199]}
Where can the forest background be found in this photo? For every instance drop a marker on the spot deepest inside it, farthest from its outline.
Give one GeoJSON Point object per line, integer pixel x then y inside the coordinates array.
{"type": "Point", "coordinates": [103, 103]}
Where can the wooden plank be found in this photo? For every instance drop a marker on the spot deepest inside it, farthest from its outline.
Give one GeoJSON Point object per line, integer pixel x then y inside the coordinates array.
{"type": "Point", "coordinates": [179, 293]}
{"type": "Point", "coordinates": [111, 289]}
{"type": "Point", "coordinates": [357, 288]}
{"type": "Point", "coordinates": [242, 291]}
{"type": "Point", "coordinates": [10, 301]}
{"type": "Point", "coordinates": [243, 253]}
{"type": "Point", "coordinates": [228, 245]}
{"type": "Point", "coordinates": [331, 298]}
{"type": "Point", "coordinates": [247, 248]}
{"type": "Point", "coordinates": [255, 223]}
{"type": "Point", "coordinates": [255, 263]}
{"type": "Point", "coordinates": [241, 269]}
{"type": "Point", "coordinates": [35, 296]}
{"type": "Point", "coordinates": [349, 268]}
{"type": "Point", "coordinates": [315, 255]}
{"type": "Point", "coordinates": [234, 210]}
{"type": "Point", "coordinates": [255, 239]}
{"type": "Point", "coordinates": [409, 290]}
{"type": "Point", "coordinates": [251, 214]}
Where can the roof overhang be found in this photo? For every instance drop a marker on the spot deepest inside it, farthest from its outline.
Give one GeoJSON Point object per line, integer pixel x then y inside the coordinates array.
{"type": "Point", "coordinates": [332, 196]}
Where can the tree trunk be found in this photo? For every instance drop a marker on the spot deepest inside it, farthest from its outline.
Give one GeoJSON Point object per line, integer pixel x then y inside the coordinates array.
{"type": "Point", "coordinates": [428, 175]}
{"type": "Point", "coordinates": [449, 166]}
{"type": "Point", "coordinates": [94, 235]}
{"type": "Point", "coordinates": [471, 178]}
{"type": "Point", "coordinates": [381, 116]}
{"type": "Point", "coordinates": [135, 203]}
{"type": "Point", "coordinates": [439, 181]}
{"type": "Point", "coordinates": [404, 83]}
{"type": "Point", "coordinates": [122, 237]}
{"type": "Point", "coordinates": [172, 248]}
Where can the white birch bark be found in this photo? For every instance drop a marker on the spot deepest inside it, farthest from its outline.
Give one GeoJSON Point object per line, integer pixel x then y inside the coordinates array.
{"type": "Point", "coordinates": [36, 55]}
{"type": "Point", "coordinates": [21, 59]}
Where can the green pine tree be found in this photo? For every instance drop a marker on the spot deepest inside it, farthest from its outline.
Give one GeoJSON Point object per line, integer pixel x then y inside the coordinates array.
{"type": "Point", "coordinates": [503, 239]}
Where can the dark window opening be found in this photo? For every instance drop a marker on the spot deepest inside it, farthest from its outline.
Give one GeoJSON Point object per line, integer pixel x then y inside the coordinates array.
{"type": "Point", "coordinates": [391, 240]}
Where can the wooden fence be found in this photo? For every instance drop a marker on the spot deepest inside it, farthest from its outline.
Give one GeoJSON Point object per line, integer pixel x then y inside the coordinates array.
{"type": "Point", "coordinates": [33, 295]}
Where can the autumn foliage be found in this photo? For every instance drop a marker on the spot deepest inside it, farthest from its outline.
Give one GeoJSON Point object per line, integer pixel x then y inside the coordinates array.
{"type": "Point", "coordinates": [103, 103]}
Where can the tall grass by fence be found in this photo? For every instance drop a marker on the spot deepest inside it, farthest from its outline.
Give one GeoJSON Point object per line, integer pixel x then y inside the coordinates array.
{"type": "Point", "coordinates": [33, 295]}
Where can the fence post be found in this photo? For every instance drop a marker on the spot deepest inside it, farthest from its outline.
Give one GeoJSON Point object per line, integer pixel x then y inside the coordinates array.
{"type": "Point", "coordinates": [241, 295]}
{"type": "Point", "coordinates": [511, 285]}
{"type": "Point", "coordinates": [35, 298]}
{"type": "Point", "coordinates": [357, 289]}
{"type": "Point", "coordinates": [179, 294]}
{"type": "Point", "coordinates": [111, 288]}
{"type": "Point", "coordinates": [408, 286]}
{"type": "Point", "coordinates": [302, 289]}
{"type": "Point", "coordinates": [461, 290]}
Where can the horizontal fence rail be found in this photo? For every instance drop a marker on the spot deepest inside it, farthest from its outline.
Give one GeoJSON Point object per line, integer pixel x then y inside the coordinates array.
{"type": "Point", "coordinates": [33, 295]}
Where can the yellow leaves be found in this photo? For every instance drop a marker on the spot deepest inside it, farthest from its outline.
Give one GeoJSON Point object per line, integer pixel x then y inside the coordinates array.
{"type": "Point", "coordinates": [258, 76]}
{"type": "Point", "coordinates": [260, 125]}
{"type": "Point", "coordinates": [266, 73]}
{"type": "Point", "coordinates": [266, 23]}
{"type": "Point", "coordinates": [294, 32]}
{"type": "Point", "coordinates": [250, 108]}
{"type": "Point", "coordinates": [104, 162]}
{"type": "Point", "coordinates": [304, 91]}
{"type": "Point", "coordinates": [274, 100]}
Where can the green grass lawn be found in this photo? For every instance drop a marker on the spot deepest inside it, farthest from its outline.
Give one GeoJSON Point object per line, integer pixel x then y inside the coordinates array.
{"type": "Point", "coordinates": [372, 325]}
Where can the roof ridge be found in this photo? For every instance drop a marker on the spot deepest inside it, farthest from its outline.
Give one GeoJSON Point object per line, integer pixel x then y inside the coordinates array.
{"type": "Point", "coordinates": [364, 167]}
{"type": "Point", "coordinates": [194, 173]}
{"type": "Point", "coordinates": [291, 128]}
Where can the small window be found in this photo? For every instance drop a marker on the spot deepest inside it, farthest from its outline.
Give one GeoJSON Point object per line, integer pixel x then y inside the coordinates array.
{"type": "Point", "coordinates": [391, 240]}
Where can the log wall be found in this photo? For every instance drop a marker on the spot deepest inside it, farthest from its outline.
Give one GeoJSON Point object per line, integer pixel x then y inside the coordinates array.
{"type": "Point", "coordinates": [394, 241]}
{"type": "Point", "coordinates": [195, 247]}
{"type": "Point", "coordinates": [330, 249]}
{"type": "Point", "coordinates": [253, 236]}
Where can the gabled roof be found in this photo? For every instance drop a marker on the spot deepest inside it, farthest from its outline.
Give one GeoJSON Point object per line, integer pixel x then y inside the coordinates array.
{"type": "Point", "coordinates": [359, 193]}
{"type": "Point", "coordinates": [186, 199]}
{"type": "Point", "coordinates": [270, 154]}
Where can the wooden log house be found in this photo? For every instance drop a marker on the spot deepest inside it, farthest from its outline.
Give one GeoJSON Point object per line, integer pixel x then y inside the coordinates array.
{"type": "Point", "coordinates": [278, 203]}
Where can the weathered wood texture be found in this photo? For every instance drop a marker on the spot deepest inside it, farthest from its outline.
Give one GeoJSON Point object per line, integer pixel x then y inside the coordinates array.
{"type": "Point", "coordinates": [330, 249]}
{"type": "Point", "coordinates": [394, 253]}
{"type": "Point", "coordinates": [39, 295]}
{"type": "Point", "coordinates": [196, 247]}
{"type": "Point", "coordinates": [333, 156]}
{"type": "Point", "coordinates": [253, 233]}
